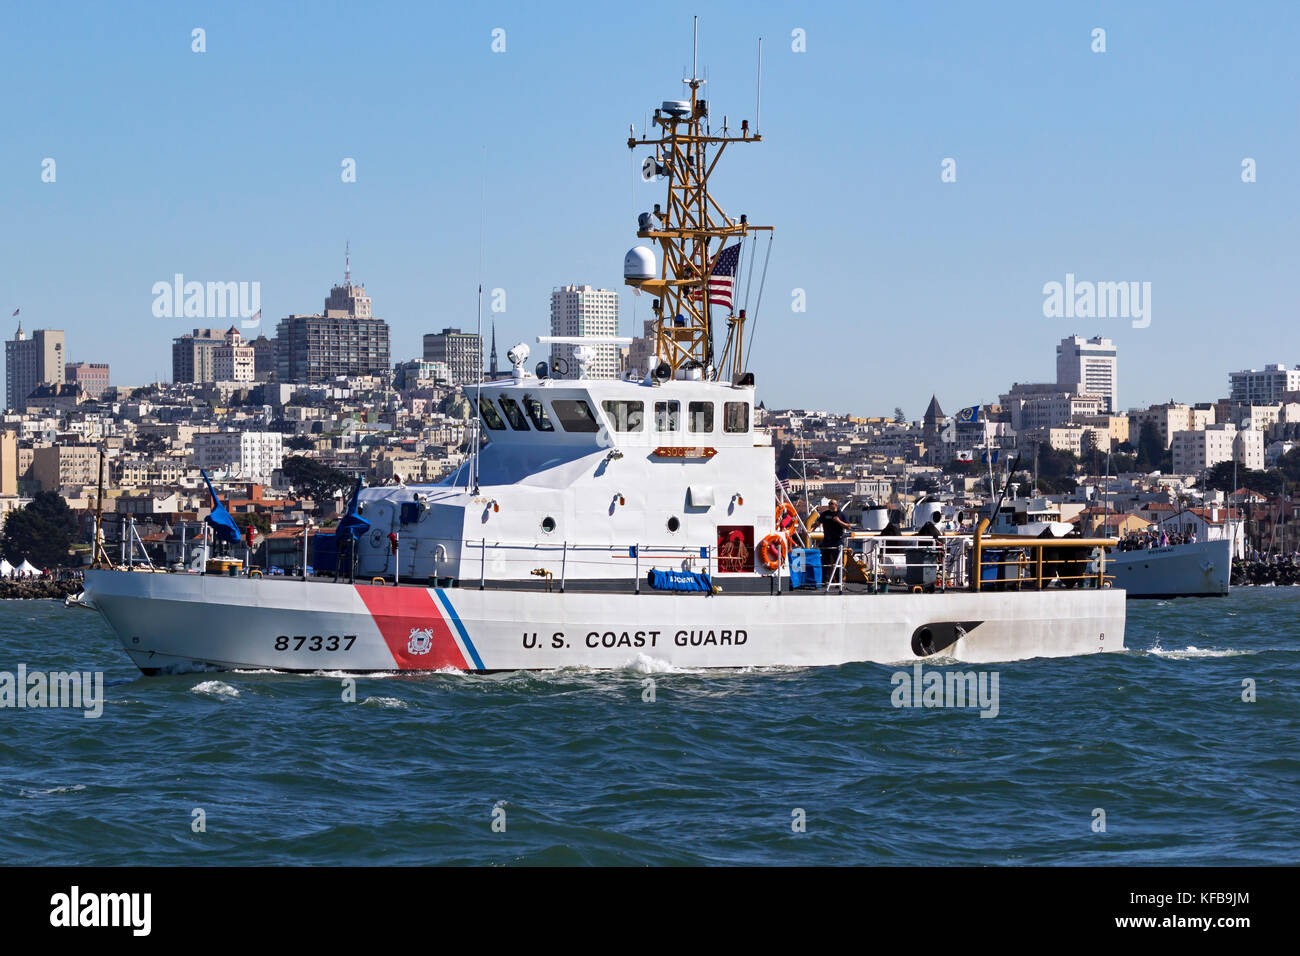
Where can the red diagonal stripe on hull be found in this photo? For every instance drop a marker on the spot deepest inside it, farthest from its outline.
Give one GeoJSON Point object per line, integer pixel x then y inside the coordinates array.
{"type": "Point", "coordinates": [399, 611]}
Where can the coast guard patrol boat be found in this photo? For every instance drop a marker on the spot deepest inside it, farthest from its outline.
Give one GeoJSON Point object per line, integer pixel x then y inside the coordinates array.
{"type": "Point", "coordinates": [605, 522]}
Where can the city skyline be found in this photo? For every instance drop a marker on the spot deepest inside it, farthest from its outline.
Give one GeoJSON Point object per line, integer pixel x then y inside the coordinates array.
{"type": "Point", "coordinates": [1069, 164]}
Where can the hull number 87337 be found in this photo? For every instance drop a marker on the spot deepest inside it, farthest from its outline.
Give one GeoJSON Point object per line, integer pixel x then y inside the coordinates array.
{"type": "Point", "coordinates": [315, 642]}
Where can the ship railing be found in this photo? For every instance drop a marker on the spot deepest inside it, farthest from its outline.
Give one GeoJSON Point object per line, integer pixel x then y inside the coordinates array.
{"type": "Point", "coordinates": [572, 557]}
{"type": "Point", "coordinates": [975, 562]}
{"type": "Point", "coordinates": [1020, 563]}
{"type": "Point", "coordinates": [576, 555]}
{"type": "Point", "coordinates": [917, 563]}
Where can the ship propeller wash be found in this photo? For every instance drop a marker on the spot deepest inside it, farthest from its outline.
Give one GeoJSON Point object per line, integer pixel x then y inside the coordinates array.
{"type": "Point", "coordinates": [606, 521]}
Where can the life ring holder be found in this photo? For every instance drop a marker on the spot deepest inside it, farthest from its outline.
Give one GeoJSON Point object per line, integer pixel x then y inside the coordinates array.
{"type": "Point", "coordinates": [377, 580]}
{"type": "Point", "coordinates": [255, 573]}
{"type": "Point", "coordinates": [773, 542]}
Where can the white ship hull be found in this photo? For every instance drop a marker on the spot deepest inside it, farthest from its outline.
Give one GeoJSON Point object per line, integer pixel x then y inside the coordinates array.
{"type": "Point", "coordinates": [177, 622]}
{"type": "Point", "coordinates": [1179, 570]}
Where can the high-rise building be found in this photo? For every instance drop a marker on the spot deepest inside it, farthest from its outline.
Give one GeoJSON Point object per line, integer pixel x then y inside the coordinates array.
{"type": "Point", "coordinates": [91, 376]}
{"type": "Point", "coordinates": [1090, 366]}
{"type": "Point", "coordinates": [641, 353]}
{"type": "Point", "coordinates": [65, 466]}
{"type": "Point", "coordinates": [582, 310]}
{"type": "Point", "coordinates": [192, 355]}
{"type": "Point", "coordinates": [1197, 451]}
{"type": "Point", "coordinates": [1263, 387]}
{"type": "Point", "coordinates": [252, 456]}
{"type": "Point", "coordinates": [232, 360]}
{"type": "Point", "coordinates": [30, 363]}
{"type": "Point", "coordinates": [461, 351]}
{"type": "Point", "coordinates": [263, 358]}
{"type": "Point", "coordinates": [347, 340]}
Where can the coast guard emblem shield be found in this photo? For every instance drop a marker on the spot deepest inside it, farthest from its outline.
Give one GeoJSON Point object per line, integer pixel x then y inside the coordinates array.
{"type": "Point", "coordinates": [420, 641]}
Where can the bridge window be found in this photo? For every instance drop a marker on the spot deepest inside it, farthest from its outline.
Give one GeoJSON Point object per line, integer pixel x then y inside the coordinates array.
{"type": "Point", "coordinates": [514, 414]}
{"type": "Point", "coordinates": [700, 416]}
{"type": "Point", "coordinates": [537, 412]}
{"type": "Point", "coordinates": [666, 414]}
{"type": "Point", "coordinates": [490, 415]}
{"type": "Point", "coordinates": [735, 417]}
{"type": "Point", "coordinates": [625, 416]}
{"type": "Point", "coordinates": [575, 415]}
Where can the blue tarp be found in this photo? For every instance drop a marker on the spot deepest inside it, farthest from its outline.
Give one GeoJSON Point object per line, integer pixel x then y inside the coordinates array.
{"type": "Point", "coordinates": [679, 581]}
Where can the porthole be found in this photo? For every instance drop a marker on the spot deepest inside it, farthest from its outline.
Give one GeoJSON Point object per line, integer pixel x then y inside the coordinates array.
{"type": "Point", "coordinates": [548, 524]}
{"type": "Point", "coordinates": [673, 524]}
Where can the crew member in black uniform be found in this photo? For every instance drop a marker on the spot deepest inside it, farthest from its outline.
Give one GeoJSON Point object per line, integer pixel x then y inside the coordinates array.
{"type": "Point", "coordinates": [833, 528]}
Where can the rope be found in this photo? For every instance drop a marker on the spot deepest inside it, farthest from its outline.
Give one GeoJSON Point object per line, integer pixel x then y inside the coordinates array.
{"type": "Point", "coordinates": [758, 304]}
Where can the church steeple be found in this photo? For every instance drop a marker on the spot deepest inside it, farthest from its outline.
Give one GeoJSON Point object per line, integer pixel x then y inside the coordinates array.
{"type": "Point", "coordinates": [493, 366]}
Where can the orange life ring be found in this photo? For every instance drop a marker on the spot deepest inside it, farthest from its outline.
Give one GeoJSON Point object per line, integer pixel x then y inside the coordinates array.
{"type": "Point", "coordinates": [787, 518]}
{"type": "Point", "coordinates": [772, 551]}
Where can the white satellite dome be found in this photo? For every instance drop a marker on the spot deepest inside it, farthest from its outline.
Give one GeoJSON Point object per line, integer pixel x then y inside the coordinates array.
{"type": "Point", "coordinates": [639, 263]}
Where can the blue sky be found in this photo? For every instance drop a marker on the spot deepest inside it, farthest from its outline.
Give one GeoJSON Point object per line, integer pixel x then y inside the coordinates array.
{"type": "Point", "coordinates": [1115, 166]}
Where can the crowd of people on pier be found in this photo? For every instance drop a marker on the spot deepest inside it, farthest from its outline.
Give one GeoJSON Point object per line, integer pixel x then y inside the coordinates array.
{"type": "Point", "coordinates": [1146, 540]}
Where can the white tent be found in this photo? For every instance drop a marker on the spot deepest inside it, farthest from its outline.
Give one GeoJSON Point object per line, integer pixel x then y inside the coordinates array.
{"type": "Point", "coordinates": [27, 568]}
{"type": "Point", "coordinates": [6, 569]}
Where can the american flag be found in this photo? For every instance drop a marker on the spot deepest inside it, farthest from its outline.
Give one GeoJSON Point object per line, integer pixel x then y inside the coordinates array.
{"type": "Point", "coordinates": [16, 311]}
{"type": "Point", "coordinates": [723, 279]}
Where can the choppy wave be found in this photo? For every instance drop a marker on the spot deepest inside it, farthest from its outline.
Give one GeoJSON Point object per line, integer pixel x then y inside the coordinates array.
{"type": "Point", "coordinates": [215, 688]}
{"type": "Point", "coordinates": [51, 790]}
{"type": "Point", "coordinates": [386, 702]}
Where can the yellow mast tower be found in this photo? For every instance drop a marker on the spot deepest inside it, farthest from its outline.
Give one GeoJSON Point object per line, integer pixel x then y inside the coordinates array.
{"type": "Point", "coordinates": [686, 152]}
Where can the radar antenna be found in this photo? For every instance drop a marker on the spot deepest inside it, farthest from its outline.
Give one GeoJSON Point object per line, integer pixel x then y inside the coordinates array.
{"type": "Point", "coordinates": [692, 230]}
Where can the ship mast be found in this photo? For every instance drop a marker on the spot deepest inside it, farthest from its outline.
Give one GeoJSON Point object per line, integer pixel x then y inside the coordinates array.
{"type": "Point", "coordinates": [692, 231]}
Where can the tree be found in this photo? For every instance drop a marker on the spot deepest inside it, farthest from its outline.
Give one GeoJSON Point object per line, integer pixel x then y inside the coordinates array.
{"type": "Point", "coordinates": [40, 532]}
{"type": "Point", "coordinates": [1120, 463]}
{"type": "Point", "coordinates": [924, 484]}
{"type": "Point", "coordinates": [899, 417]}
{"type": "Point", "coordinates": [1221, 477]}
{"type": "Point", "coordinates": [314, 479]}
{"type": "Point", "coordinates": [1290, 464]}
{"type": "Point", "coordinates": [256, 520]}
{"type": "Point", "coordinates": [299, 443]}
{"type": "Point", "coordinates": [1056, 464]}
{"type": "Point", "coordinates": [150, 444]}
{"type": "Point", "coordinates": [1089, 450]}
{"type": "Point", "coordinates": [1151, 448]}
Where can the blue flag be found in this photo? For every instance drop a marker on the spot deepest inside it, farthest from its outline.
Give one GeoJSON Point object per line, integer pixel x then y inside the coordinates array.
{"type": "Point", "coordinates": [968, 416]}
{"type": "Point", "coordinates": [352, 525]}
{"type": "Point", "coordinates": [223, 526]}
